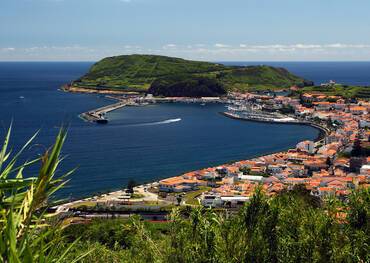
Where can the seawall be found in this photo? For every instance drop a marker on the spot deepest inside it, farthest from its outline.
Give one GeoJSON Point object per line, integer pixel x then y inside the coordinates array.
{"type": "Point", "coordinates": [323, 132]}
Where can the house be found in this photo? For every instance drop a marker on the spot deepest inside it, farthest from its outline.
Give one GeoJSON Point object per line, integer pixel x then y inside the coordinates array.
{"type": "Point", "coordinates": [255, 178]}
{"type": "Point", "coordinates": [358, 110]}
{"type": "Point", "coordinates": [365, 169]}
{"type": "Point", "coordinates": [315, 165]}
{"type": "Point", "coordinates": [323, 105]}
{"type": "Point", "coordinates": [364, 123]}
{"type": "Point", "coordinates": [333, 137]}
{"type": "Point", "coordinates": [325, 192]}
{"type": "Point", "coordinates": [178, 184]}
{"type": "Point", "coordinates": [274, 188]}
{"type": "Point", "coordinates": [274, 169]}
{"type": "Point", "coordinates": [296, 169]}
{"type": "Point", "coordinates": [234, 201]}
{"type": "Point", "coordinates": [294, 156]}
{"type": "Point", "coordinates": [306, 146]}
{"type": "Point", "coordinates": [216, 200]}
{"type": "Point", "coordinates": [322, 173]}
{"type": "Point", "coordinates": [211, 200]}
{"type": "Point", "coordinates": [300, 110]}
{"type": "Point", "coordinates": [294, 181]}
{"type": "Point", "coordinates": [211, 176]}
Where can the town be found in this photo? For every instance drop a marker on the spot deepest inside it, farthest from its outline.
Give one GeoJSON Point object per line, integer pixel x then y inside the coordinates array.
{"type": "Point", "coordinates": [334, 164]}
{"type": "Point", "coordinates": [331, 166]}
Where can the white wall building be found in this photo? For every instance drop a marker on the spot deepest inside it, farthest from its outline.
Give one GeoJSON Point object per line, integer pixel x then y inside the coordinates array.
{"type": "Point", "coordinates": [306, 146]}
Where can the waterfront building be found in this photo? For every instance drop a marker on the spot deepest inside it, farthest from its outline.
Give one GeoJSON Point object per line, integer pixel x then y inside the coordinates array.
{"type": "Point", "coordinates": [306, 146]}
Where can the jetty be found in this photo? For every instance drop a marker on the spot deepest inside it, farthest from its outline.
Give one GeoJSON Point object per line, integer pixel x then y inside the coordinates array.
{"type": "Point", "coordinates": [280, 119]}
{"type": "Point", "coordinates": [98, 115]}
{"type": "Point", "coordinates": [261, 117]}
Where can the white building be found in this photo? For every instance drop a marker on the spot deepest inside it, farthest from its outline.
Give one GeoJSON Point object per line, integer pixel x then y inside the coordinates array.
{"type": "Point", "coordinates": [306, 146]}
{"type": "Point", "coordinates": [254, 178]}
{"type": "Point", "coordinates": [365, 169]}
{"type": "Point", "coordinates": [213, 200]}
{"type": "Point", "coordinates": [364, 123]}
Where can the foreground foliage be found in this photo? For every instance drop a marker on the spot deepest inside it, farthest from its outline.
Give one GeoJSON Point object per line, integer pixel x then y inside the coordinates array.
{"type": "Point", "coordinates": [292, 227]}
{"type": "Point", "coordinates": [26, 233]}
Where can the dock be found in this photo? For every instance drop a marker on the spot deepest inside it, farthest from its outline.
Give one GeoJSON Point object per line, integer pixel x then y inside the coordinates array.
{"type": "Point", "coordinates": [98, 115]}
{"type": "Point", "coordinates": [287, 120]}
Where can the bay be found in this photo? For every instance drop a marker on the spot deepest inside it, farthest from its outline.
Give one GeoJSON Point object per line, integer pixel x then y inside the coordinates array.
{"type": "Point", "coordinates": [140, 143]}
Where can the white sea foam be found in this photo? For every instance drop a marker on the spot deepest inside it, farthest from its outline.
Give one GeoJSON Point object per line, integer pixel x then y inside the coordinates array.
{"type": "Point", "coordinates": [157, 122]}
{"type": "Point", "coordinates": [167, 121]}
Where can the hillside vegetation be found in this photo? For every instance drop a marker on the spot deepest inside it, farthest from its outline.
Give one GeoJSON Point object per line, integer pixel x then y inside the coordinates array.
{"type": "Point", "coordinates": [291, 227]}
{"type": "Point", "coordinates": [183, 85]}
{"type": "Point", "coordinates": [141, 72]}
{"type": "Point", "coordinates": [346, 91]}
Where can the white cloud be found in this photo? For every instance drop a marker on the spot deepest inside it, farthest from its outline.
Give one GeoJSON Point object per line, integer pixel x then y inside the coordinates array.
{"type": "Point", "coordinates": [7, 49]}
{"type": "Point", "coordinates": [169, 46]}
{"type": "Point", "coordinates": [355, 46]}
{"type": "Point", "coordinates": [294, 47]}
{"type": "Point", "coordinates": [241, 52]}
{"type": "Point", "coordinates": [219, 45]}
{"type": "Point", "coordinates": [306, 46]}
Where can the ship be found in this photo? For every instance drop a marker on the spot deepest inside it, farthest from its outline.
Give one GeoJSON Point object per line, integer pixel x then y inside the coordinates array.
{"type": "Point", "coordinates": [101, 121]}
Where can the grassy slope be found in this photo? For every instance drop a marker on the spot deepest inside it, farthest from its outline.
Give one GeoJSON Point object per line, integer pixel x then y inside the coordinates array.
{"type": "Point", "coordinates": [341, 90]}
{"type": "Point", "coordinates": [137, 72]}
{"type": "Point", "coordinates": [256, 77]}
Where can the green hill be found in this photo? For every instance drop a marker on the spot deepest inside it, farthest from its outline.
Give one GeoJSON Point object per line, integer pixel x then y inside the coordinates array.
{"type": "Point", "coordinates": [151, 72]}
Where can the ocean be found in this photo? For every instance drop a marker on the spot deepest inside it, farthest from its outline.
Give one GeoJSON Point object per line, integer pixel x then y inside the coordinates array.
{"type": "Point", "coordinates": [140, 143]}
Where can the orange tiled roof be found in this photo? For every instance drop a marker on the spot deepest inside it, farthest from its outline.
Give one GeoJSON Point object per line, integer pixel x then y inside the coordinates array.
{"type": "Point", "coordinates": [358, 108]}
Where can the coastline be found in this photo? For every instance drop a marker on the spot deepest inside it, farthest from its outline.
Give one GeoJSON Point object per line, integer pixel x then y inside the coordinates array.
{"type": "Point", "coordinates": [322, 133]}
{"type": "Point", "coordinates": [114, 191]}
{"type": "Point", "coordinates": [322, 130]}
{"type": "Point", "coordinates": [91, 90]}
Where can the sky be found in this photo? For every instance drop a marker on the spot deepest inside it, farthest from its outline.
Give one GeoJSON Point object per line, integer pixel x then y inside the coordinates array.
{"type": "Point", "coordinates": [212, 30]}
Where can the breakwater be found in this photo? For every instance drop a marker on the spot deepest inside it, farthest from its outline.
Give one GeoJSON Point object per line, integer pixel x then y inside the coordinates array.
{"type": "Point", "coordinates": [98, 115]}
{"type": "Point", "coordinates": [289, 120]}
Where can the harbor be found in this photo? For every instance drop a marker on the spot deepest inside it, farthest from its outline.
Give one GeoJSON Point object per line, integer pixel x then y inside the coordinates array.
{"type": "Point", "coordinates": [99, 115]}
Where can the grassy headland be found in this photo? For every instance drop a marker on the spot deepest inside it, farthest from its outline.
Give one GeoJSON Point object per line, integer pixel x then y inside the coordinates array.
{"type": "Point", "coordinates": [163, 75]}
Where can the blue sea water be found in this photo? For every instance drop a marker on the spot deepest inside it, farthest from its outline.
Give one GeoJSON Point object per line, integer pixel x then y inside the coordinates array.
{"type": "Point", "coordinates": [140, 143]}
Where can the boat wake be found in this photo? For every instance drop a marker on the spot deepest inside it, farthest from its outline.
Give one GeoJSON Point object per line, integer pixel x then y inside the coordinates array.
{"type": "Point", "coordinates": [167, 121]}
{"type": "Point", "coordinates": [156, 123]}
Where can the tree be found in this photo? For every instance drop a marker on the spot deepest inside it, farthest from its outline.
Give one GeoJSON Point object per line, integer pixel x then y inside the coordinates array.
{"type": "Point", "coordinates": [245, 170]}
{"type": "Point", "coordinates": [328, 161]}
{"type": "Point", "coordinates": [358, 228]}
{"type": "Point", "coordinates": [357, 149]}
{"type": "Point", "coordinates": [130, 185]}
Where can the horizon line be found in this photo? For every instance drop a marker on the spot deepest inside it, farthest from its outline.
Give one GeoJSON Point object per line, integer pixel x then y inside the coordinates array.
{"type": "Point", "coordinates": [212, 61]}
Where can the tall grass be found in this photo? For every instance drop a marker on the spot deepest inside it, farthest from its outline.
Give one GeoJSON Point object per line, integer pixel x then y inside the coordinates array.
{"type": "Point", "coordinates": [26, 232]}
